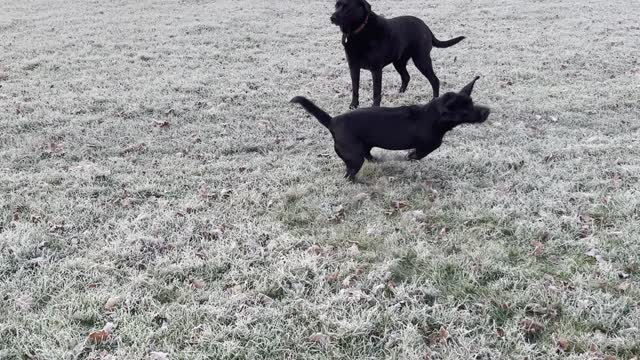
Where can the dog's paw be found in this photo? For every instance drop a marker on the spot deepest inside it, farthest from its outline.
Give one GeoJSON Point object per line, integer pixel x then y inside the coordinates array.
{"type": "Point", "coordinates": [411, 156]}
{"type": "Point", "coordinates": [353, 106]}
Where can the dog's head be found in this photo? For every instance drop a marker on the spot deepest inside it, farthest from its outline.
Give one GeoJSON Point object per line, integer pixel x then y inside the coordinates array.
{"type": "Point", "coordinates": [457, 107]}
{"type": "Point", "coordinates": [350, 14]}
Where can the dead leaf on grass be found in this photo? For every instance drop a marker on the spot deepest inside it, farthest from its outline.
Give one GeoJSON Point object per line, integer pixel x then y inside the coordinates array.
{"type": "Point", "coordinates": [112, 303]}
{"type": "Point", "coordinates": [162, 124]}
{"type": "Point", "coordinates": [563, 344]}
{"type": "Point", "coordinates": [623, 275]}
{"type": "Point", "coordinates": [443, 335]}
{"type": "Point", "coordinates": [203, 191]}
{"type": "Point", "coordinates": [338, 214]}
{"type": "Point", "coordinates": [500, 332]}
{"type": "Point", "coordinates": [197, 284]}
{"type": "Point", "coordinates": [443, 232]}
{"type": "Point", "coordinates": [531, 327]}
{"type": "Point", "coordinates": [55, 148]}
{"type": "Point", "coordinates": [333, 277]}
{"type": "Point", "coordinates": [320, 339]}
{"type": "Point", "coordinates": [397, 204]}
{"type": "Point", "coordinates": [135, 148]}
{"type": "Point", "coordinates": [103, 335]}
{"type": "Point", "coordinates": [314, 249]}
{"type": "Point", "coordinates": [538, 248]}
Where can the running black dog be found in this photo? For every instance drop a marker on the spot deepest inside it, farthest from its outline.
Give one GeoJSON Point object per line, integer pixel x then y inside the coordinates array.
{"type": "Point", "coordinates": [419, 127]}
{"type": "Point", "coordinates": [372, 42]}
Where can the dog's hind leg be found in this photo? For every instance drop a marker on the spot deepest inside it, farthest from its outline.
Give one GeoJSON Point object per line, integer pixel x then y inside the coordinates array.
{"type": "Point", "coordinates": [424, 64]}
{"type": "Point", "coordinates": [353, 167]}
{"type": "Point", "coordinates": [401, 68]}
{"type": "Point", "coordinates": [354, 159]}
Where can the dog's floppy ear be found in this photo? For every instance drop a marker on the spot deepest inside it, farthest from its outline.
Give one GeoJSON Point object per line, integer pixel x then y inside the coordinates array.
{"type": "Point", "coordinates": [469, 87]}
{"type": "Point", "coordinates": [366, 5]}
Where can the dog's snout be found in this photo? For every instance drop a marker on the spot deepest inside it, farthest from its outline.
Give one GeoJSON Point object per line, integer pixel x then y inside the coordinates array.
{"type": "Point", "coordinates": [333, 18]}
{"type": "Point", "coordinates": [484, 113]}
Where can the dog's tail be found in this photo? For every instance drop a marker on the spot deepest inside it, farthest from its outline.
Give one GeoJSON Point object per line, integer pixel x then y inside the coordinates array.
{"type": "Point", "coordinates": [321, 115]}
{"type": "Point", "coordinates": [444, 44]}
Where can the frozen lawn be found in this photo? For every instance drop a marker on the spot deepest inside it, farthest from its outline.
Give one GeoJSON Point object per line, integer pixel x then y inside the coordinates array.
{"type": "Point", "coordinates": [154, 176]}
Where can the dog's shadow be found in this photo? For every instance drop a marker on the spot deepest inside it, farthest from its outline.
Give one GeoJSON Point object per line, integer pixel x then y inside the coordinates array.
{"type": "Point", "coordinates": [395, 166]}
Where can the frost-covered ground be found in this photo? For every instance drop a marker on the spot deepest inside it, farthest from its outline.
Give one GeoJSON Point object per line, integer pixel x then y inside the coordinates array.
{"type": "Point", "coordinates": [153, 176]}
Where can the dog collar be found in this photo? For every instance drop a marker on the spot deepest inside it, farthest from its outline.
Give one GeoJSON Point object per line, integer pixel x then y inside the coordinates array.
{"type": "Point", "coordinates": [361, 27]}
{"type": "Point", "coordinates": [345, 37]}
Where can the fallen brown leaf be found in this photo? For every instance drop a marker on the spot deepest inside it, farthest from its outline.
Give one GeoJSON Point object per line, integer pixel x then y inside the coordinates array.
{"type": "Point", "coordinates": [500, 332]}
{"type": "Point", "coordinates": [531, 327]}
{"type": "Point", "coordinates": [314, 249]}
{"type": "Point", "coordinates": [443, 335]}
{"type": "Point", "coordinates": [163, 124]}
{"type": "Point", "coordinates": [563, 344]}
{"type": "Point", "coordinates": [197, 283]}
{"type": "Point", "coordinates": [101, 335]}
{"type": "Point", "coordinates": [55, 148]}
{"type": "Point", "coordinates": [397, 204]}
{"type": "Point", "coordinates": [319, 338]}
{"type": "Point", "coordinates": [333, 277]}
{"type": "Point", "coordinates": [203, 191]}
{"type": "Point", "coordinates": [338, 213]}
{"type": "Point", "coordinates": [443, 232]}
{"type": "Point", "coordinates": [135, 148]}
{"type": "Point", "coordinates": [538, 248]}
{"type": "Point", "coordinates": [112, 303]}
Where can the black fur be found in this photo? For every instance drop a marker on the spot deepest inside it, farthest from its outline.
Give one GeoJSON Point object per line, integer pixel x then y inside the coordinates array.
{"type": "Point", "coordinates": [419, 127]}
{"type": "Point", "coordinates": [372, 42]}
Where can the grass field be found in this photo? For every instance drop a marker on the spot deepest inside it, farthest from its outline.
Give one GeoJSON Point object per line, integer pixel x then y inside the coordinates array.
{"type": "Point", "coordinates": [154, 177]}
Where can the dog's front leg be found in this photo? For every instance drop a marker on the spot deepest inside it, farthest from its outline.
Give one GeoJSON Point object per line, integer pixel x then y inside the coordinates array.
{"type": "Point", "coordinates": [355, 86]}
{"type": "Point", "coordinates": [377, 86]}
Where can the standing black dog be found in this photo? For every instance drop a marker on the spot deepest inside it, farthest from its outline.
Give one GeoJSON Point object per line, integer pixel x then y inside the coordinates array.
{"type": "Point", "coordinates": [419, 127]}
{"type": "Point", "coordinates": [373, 42]}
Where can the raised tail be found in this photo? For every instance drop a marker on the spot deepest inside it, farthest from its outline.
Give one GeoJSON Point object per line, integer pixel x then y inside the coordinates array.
{"type": "Point", "coordinates": [321, 115]}
{"type": "Point", "coordinates": [444, 44]}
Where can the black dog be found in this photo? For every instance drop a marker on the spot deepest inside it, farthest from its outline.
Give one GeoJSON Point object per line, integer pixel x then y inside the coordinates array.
{"type": "Point", "coordinates": [419, 127]}
{"type": "Point", "coordinates": [373, 42]}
